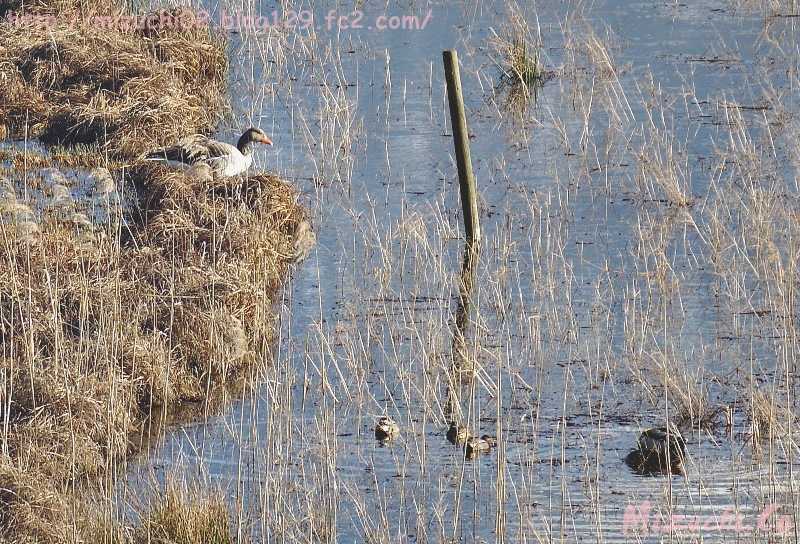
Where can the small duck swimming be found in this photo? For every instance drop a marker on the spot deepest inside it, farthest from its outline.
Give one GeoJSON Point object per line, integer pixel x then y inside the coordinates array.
{"type": "Point", "coordinates": [476, 446]}
{"type": "Point", "coordinates": [458, 434]}
{"type": "Point", "coordinates": [386, 429]}
{"type": "Point", "coordinates": [660, 450]}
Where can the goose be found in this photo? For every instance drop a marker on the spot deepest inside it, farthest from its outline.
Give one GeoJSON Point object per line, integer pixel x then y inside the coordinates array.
{"type": "Point", "coordinates": [386, 429]}
{"type": "Point", "coordinates": [224, 159]}
{"type": "Point", "coordinates": [659, 450]}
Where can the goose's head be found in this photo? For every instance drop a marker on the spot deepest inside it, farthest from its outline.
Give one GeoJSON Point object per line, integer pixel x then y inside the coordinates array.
{"type": "Point", "coordinates": [252, 135]}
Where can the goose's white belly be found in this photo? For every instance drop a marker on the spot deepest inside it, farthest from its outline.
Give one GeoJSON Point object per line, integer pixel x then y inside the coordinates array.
{"type": "Point", "coordinates": [177, 165]}
{"type": "Point", "coordinates": [231, 165]}
{"type": "Point", "coordinates": [228, 165]}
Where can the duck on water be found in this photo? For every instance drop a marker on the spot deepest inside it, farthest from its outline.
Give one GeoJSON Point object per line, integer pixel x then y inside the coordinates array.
{"type": "Point", "coordinates": [222, 158]}
{"type": "Point", "coordinates": [386, 429]}
{"type": "Point", "coordinates": [660, 450]}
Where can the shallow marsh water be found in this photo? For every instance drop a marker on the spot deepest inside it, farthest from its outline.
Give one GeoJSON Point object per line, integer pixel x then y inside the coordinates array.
{"type": "Point", "coordinates": [601, 305]}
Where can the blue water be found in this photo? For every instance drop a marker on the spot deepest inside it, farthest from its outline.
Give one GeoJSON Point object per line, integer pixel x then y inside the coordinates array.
{"type": "Point", "coordinates": [569, 326]}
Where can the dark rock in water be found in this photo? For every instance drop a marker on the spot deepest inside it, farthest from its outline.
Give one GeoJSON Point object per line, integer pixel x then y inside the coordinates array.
{"type": "Point", "coordinates": [651, 464]}
{"type": "Point", "coordinates": [659, 439]}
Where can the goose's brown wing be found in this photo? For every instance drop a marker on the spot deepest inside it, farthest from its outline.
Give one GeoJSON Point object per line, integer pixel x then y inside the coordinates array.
{"type": "Point", "coordinates": [221, 155]}
{"type": "Point", "coordinates": [190, 150]}
{"type": "Point", "coordinates": [218, 150]}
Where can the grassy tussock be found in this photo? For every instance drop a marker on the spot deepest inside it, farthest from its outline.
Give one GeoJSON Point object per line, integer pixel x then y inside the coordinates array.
{"type": "Point", "coordinates": [30, 506]}
{"type": "Point", "coordinates": [187, 517]}
{"type": "Point", "coordinates": [770, 419]}
{"type": "Point", "coordinates": [517, 49]}
{"type": "Point", "coordinates": [77, 83]}
{"type": "Point", "coordinates": [177, 515]}
{"type": "Point", "coordinates": [96, 336]}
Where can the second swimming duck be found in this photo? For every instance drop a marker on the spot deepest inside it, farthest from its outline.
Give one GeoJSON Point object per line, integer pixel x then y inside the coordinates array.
{"type": "Point", "coordinates": [457, 434]}
{"type": "Point", "coordinates": [476, 446]}
{"type": "Point", "coordinates": [386, 429]}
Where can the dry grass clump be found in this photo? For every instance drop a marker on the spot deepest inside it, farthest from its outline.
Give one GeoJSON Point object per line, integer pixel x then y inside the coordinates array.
{"type": "Point", "coordinates": [191, 216]}
{"type": "Point", "coordinates": [770, 419]}
{"type": "Point", "coordinates": [59, 7]}
{"type": "Point", "coordinates": [235, 237]}
{"type": "Point", "coordinates": [30, 503]}
{"type": "Point", "coordinates": [187, 517]}
{"type": "Point", "coordinates": [692, 407]}
{"type": "Point", "coordinates": [76, 82]}
{"type": "Point", "coordinates": [517, 50]}
{"type": "Point", "coordinates": [663, 170]}
{"type": "Point", "coordinates": [96, 335]}
{"type": "Point", "coordinates": [178, 515]}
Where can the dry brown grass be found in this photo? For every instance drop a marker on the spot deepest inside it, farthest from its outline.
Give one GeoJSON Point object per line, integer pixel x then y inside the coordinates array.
{"type": "Point", "coordinates": [74, 82]}
{"type": "Point", "coordinates": [770, 419]}
{"type": "Point", "coordinates": [187, 517]}
{"type": "Point", "coordinates": [104, 328]}
{"type": "Point", "coordinates": [177, 514]}
{"type": "Point", "coordinates": [95, 336]}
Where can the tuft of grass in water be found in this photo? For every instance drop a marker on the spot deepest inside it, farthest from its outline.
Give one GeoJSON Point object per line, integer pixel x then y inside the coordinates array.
{"type": "Point", "coordinates": [182, 517]}
{"type": "Point", "coordinates": [523, 65]}
{"type": "Point", "coordinates": [517, 51]}
{"type": "Point", "coordinates": [769, 419]}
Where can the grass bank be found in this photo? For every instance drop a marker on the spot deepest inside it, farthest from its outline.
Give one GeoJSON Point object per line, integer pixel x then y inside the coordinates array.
{"type": "Point", "coordinates": [69, 78]}
{"type": "Point", "coordinates": [167, 301]}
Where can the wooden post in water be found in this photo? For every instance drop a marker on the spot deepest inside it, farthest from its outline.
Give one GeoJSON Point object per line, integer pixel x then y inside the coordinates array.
{"type": "Point", "coordinates": [466, 179]}
{"type": "Point", "coordinates": [464, 366]}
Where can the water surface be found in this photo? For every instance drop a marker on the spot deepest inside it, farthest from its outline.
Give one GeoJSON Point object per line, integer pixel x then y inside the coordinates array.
{"type": "Point", "coordinates": [594, 287]}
